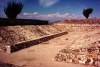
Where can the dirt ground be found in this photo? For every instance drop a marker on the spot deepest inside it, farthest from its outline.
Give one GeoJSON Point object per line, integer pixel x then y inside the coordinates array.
{"type": "Point", "coordinates": [42, 55]}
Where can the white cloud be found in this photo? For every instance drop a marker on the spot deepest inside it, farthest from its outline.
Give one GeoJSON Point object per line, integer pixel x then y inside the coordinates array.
{"type": "Point", "coordinates": [47, 3]}
{"type": "Point", "coordinates": [35, 13]}
{"type": "Point", "coordinates": [52, 17]}
{"type": "Point", "coordinates": [31, 14]}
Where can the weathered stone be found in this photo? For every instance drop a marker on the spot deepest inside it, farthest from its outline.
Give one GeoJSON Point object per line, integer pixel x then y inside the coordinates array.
{"type": "Point", "coordinates": [83, 59]}
{"type": "Point", "coordinates": [76, 60]}
{"type": "Point", "coordinates": [8, 49]}
{"type": "Point", "coordinates": [97, 64]}
{"type": "Point", "coordinates": [89, 61]}
{"type": "Point", "coordinates": [87, 56]}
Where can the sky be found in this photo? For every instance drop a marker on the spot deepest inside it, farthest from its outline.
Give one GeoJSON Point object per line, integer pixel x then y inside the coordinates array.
{"type": "Point", "coordinates": [54, 10]}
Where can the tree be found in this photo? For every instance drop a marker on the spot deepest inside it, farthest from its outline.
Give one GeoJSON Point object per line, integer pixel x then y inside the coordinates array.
{"type": "Point", "coordinates": [13, 9]}
{"type": "Point", "coordinates": [87, 12]}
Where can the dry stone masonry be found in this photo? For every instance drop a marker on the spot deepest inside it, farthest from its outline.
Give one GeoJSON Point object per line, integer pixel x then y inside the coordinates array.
{"type": "Point", "coordinates": [14, 22]}
{"type": "Point", "coordinates": [25, 44]}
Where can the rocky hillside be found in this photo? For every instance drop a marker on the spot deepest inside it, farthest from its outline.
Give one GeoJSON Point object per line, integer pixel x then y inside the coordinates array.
{"type": "Point", "coordinates": [82, 41]}
{"type": "Point", "coordinates": [10, 35]}
{"type": "Point", "coordinates": [84, 47]}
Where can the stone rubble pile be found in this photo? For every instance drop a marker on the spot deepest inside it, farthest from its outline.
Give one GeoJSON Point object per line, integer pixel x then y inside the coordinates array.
{"type": "Point", "coordinates": [87, 56]}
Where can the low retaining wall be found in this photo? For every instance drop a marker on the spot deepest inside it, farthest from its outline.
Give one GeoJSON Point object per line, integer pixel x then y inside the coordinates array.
{"type": "Point", "coordinates": [14, 22]}
{"type": "Point", "coordinates": [19, 46]}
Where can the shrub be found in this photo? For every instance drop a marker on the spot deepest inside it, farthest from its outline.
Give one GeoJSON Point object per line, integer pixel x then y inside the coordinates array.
{"type": "Point", "coordinates": [87, 12]}
{"type": "Point", "coordinates": [13, 9]}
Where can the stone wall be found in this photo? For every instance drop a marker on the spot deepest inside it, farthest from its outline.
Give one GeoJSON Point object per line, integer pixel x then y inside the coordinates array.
{"type": "Point", "coordinates": [22, 45]}
{"type": "Point", "coordinates": [13, 22]}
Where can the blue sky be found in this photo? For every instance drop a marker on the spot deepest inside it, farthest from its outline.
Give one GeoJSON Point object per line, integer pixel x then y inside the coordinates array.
{"type": "Point", "coordinates": [54, 9]}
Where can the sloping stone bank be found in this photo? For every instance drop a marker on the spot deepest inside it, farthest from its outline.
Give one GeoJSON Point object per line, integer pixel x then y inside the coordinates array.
{"type": "Point", "coordinates": [22, 45]}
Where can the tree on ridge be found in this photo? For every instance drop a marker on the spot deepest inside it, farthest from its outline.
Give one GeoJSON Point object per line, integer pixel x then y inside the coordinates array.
{"type": "Point", "coordinates": [13, 9]}
{"type": "Point", "coordinates": [87, 12]}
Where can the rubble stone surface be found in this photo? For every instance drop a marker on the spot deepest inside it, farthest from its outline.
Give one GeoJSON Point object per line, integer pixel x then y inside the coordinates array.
{"type": "Point", "coordinates": [86, 56]}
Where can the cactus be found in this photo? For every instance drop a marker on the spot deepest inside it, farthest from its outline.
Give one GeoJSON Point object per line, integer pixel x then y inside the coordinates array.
{"type": "Point", "coordinates": [87, 12]}
{"type": "Point", "coordinates": [13, 9]}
